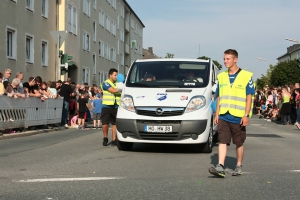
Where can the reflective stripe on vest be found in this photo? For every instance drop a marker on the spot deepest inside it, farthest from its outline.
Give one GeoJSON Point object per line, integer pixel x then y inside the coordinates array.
{"type": "Point", "coordinates": [110, 98]}
{"type": "Point", "coordinates": [233, 98]}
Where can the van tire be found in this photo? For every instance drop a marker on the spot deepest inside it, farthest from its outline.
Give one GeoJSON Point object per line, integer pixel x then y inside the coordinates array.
{"type": "Point", "coordinates": [216, 137]}
{"type": "Point", "coordinates": [124, 146]}
{"type": "Point", "coordinates": [207, 147]}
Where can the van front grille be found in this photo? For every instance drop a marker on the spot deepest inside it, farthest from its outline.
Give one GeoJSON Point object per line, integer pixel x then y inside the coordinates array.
{"type": "Point", "coordinates": [159, 112]}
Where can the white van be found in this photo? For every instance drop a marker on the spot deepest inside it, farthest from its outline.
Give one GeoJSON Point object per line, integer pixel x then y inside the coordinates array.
{"type": "Point", "coordinates": [167, 101]}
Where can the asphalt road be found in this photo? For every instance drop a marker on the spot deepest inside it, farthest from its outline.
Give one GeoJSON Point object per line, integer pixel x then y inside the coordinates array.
{"type": "Point", "coordinates": [73, 164]}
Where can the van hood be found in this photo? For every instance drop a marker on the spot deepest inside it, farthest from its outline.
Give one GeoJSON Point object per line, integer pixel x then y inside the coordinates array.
{"type": "Point", "coordinates": [170, 97]}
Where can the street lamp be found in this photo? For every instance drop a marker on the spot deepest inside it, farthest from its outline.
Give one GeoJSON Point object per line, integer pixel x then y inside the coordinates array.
{"type": "Point", "coordinates": [263, 59]}
{"type": "Point", "coordinates": [292, 40]}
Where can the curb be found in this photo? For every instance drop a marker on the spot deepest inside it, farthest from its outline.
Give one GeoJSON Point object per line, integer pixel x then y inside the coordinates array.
{"type": "Point", "coordinates": [29, 133]}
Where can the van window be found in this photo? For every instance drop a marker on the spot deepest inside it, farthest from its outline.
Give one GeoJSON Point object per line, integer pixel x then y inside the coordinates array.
{"type": "Point", "coordinates": [182, 74]}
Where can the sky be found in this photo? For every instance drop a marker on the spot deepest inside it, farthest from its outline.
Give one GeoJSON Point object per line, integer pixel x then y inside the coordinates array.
{"type": "Point", "coordinates": [193, 28]}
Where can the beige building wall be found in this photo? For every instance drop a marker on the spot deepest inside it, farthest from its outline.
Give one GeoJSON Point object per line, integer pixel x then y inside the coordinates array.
{"type": "Point", "coordinates": [107, 49]}
{"type": "Point", "coordinates": [21, 21]}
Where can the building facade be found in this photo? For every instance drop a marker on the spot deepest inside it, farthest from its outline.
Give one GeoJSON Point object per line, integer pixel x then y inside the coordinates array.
{"type": "Point", "coordinates": [293, 52]}
{"type": "Point", "coordinates": [100, 34]}
{"type": "Point", "coordinates": [26, 44]}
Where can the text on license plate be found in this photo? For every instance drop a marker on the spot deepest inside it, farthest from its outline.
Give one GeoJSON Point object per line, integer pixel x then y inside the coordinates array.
{"type": "Point", "coordinates": [159, 129]}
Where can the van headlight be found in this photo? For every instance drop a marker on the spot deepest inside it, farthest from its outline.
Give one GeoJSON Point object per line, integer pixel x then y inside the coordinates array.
{"type": "Point", "coordinates": [195, 103]}
{"type": "Point", "coordinates": [127, 103]}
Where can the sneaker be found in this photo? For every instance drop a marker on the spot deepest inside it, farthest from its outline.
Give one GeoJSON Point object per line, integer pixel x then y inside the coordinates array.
{"type": "Point", "coordinates": [94, 127]}
{"type": "Point", "coordinates": [237, 171]}
{"type": "Point", "coordinates": [298, 126]}
{"type": "Point", "coordinates": [113, 143]}
{"type": "Point", "coordinates": [217, 171]}
{"type": "Point", "coordinates": [268, 120]}
{"type": "Point", "coordinates": [66, 125]}
{"type": "Point", "coordinates": [105, 141]}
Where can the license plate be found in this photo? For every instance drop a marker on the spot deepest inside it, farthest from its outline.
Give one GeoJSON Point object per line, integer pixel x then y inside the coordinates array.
{"type": "Point", "coordinates": [158, 129]}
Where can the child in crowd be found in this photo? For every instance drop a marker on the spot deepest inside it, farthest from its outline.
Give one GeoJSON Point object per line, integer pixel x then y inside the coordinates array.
{"type": "Point", "coordinates": [297, 99]}
{"type": "Point", "coordinates": [74, 121]}
{"type": "Point", "coordinates": [82, 104]}
{"type": "Point", "coordinates": [72, 108]}
{"type": "Point", "coordinates": [97, 108]}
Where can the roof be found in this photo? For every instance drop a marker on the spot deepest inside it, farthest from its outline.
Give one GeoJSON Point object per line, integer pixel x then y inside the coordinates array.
{"type": "Point", "coordinates": [134, 13]}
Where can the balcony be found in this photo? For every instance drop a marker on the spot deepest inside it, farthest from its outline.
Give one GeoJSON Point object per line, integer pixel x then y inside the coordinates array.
{"type": "Point", "coordinates": [126, 48]}
{"type": "Point", "coordinates": [127, 26]}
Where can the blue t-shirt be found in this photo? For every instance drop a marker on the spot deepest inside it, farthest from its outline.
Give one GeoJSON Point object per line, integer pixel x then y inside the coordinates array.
{"type": "Point", "coordinates": [97, 105]}
{"type": "Point", "coordinates": [106, 86]}
{"type": "Point", "coordinates": [249, 90]}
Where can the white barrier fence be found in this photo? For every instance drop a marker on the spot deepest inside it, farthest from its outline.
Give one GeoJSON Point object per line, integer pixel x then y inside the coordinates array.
{"type": "Point", "coordinates": [19, 113]}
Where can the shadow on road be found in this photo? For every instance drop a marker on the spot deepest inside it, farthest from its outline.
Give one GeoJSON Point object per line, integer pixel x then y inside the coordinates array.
{"type": "Point", "coordinates": [166, 148]}
{"type": "Point", "coordinates": [230, 162]}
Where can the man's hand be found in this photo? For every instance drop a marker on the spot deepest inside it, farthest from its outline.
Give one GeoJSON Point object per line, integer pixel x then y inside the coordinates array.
{"type": "Point", "coordinates": [216, 120]}
{"type": "Point", "coordinates": [244, 121]}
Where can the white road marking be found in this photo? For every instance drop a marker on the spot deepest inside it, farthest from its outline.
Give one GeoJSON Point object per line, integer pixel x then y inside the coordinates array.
{"type": "Point", "coordinates": [67, 179]}
{"type": "Point", "coordinates": [294, 170]}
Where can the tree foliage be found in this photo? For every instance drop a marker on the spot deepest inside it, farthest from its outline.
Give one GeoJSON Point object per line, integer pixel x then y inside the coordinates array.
{"type": "Point", "coordinates": [285, 73]}
{"type": "Point", "coordinates": [169, 55]}
{"type": "Point", "coordinates": [217, 64]}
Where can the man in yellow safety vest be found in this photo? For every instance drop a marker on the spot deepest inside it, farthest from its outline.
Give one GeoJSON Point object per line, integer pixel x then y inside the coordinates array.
{"type": "Point", "coordinates": [234, 91]}
{"type": "Point", "coordinates": [110, 103]}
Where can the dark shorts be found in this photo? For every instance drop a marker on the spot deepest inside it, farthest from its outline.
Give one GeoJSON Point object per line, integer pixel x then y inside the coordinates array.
{"type": "Point", "coordinates": [96, 116]}
{"type": "Point", "coordinates": [81, 115]}
{"type": "Point", "coordinates": [227, 130]}
{"type": "Point", "coordinates": [109, 115]}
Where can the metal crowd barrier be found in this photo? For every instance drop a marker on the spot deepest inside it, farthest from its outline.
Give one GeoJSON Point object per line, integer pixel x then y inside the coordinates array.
{"type": "Point", "coordinates": [19, 113]}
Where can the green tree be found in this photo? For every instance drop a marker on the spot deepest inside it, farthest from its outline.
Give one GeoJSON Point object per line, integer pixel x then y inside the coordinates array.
{"type": "Point", "coordinates": [217, 64]}
{"type": "Point", "coordinates": [284, 73]}
{"type": "Point", "coordinates": [169, 55]}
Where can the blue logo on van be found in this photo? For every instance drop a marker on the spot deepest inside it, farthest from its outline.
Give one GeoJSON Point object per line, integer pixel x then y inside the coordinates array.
{"type": "Point", "coordinates": [161, 96]}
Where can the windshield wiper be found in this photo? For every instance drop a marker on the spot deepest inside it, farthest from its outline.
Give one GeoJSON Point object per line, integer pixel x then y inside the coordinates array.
{"type": "Point", "coordinates": [141, 84]}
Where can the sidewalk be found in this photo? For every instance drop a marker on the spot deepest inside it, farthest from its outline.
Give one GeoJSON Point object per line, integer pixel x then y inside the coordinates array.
{"type": "Point", "coordinates": [31, 132]}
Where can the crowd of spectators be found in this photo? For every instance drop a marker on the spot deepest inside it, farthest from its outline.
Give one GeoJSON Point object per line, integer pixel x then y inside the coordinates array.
{"type": "Point", "coordinates": [71, 92]}
{"type": "Point", "coordinates": [279, 104]}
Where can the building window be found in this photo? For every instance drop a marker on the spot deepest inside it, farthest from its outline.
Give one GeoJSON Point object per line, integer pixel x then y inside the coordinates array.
{"type": "Point", "coordinates": [29, 49]}
{"type": "Point", "coordinates": [122, 35]}
{"type": "Point", "coordinates": [94, 63]}
{"type": "Point", "coordinates": [85, 75]}
{"type": "Point", "coordinates": [29, 4]}
{"type": "Point", "coordinates": [122, 9]}
{"type": "Point", "coordinates": [101, 18]}
{"type": "Point", "coordinates": [87, 7]}
{"type": "Point", "coordinates": [122, 59]}
{"type": "Point", "coordinates": [107, 23]}
{"type": "Point", "coordinates": [101, 77]}
{"type": "Point", "coordinates": [114, 4]}
{"type": "Point", "coordinates": [11, 48]}
{"type": "Point", "coordinates": [95, 4]}
{"type": "Point", "coordinates": [101, 48]}
{"type": "Point", "coordinates": [45, 8]}
{"type": "Point", "coordinates": [72, 19]}
{"type": "Point", "coordinates": [94, 31]}
{"type": "Point", "coordinates": [44, 53]}
{"type": "Point", "coordinates": [86, 41]}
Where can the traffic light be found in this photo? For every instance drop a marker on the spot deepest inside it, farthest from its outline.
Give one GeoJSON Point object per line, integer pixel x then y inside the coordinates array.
{"type": "Point", "coordinates": [64, 60]}
{"type": "Point", "coordinates": [298, 62]}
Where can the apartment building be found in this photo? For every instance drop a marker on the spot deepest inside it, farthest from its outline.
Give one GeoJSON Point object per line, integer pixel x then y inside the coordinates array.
{"type": "Point", "coordinates": [293, 52]}
{"type": "Point", "coordinates": [26, 44]}
{"type": "Point", "coordinates": [102, 34]}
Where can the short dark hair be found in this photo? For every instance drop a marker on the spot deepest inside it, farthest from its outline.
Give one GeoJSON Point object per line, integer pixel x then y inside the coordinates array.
{"type": "Point", "coordinates": [111, 71]}
{"type": "Point", "coordinates": [1, 75]}
{"type": "Point", "coordinates": [232, 52]}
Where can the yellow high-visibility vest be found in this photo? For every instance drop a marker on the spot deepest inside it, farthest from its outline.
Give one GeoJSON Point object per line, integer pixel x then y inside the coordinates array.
{"type": "Point", "coordinates": [233, 98]}
{"type": "Point", "coordinates": [110, 98]}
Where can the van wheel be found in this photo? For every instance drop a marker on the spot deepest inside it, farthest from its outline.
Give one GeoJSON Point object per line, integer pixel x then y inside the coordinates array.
{"type": "Point", "coordinates": [124, 146]}
{"type": "Point", "coordinates": [207, 147]}
{"type": "Point", "coordinates": [215, 137]}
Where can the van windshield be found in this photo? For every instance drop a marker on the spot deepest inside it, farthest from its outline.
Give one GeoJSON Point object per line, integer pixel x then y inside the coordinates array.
{"type": "Point", "coordinates": [179, 74]}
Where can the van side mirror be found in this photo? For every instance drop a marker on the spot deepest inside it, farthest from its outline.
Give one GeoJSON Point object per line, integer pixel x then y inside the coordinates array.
{"type": "Point", "coordinates": [214, 87]}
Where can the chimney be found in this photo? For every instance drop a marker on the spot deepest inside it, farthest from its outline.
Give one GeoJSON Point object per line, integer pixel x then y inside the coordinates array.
{"type": "Point", "coordinates": [150, 49]}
